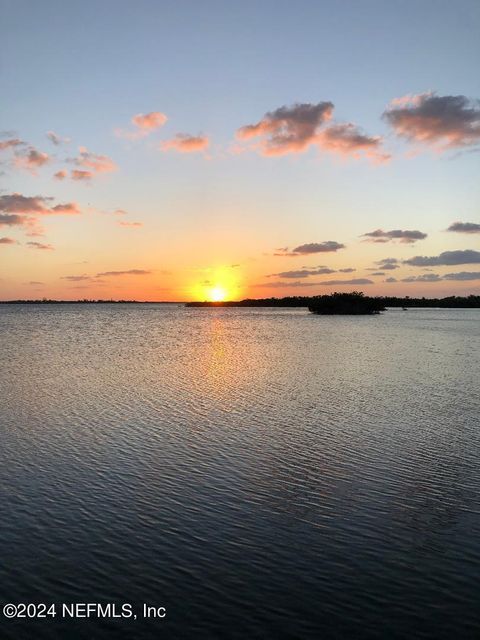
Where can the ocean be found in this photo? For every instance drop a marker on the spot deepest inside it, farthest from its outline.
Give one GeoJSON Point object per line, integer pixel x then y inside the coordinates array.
{"type": "Point", "coordinates": [248, 473]}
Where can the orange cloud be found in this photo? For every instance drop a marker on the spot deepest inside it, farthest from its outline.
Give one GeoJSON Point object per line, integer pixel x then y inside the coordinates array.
{"type": "Point", "coordinates": [144, 123]}
{"type": "Point", "coordinates": [31, 159]}
{"type": "Point", "coordinates": [441, 122]}
{"type": "Point", "coordinates": [6, 240]}
{"type": "Point", "coordinates": [149, 121]}
{"type": "Point", "coordinates": [95, 163]}
{"type": "Point", "coordinates": [125, 223]}
{"type": "Point", "coordinates": [31, 225]}
{"type": "Point", "coordinates": [294, 129]}
{"type": "Point", "coordinates": [186, 143]}
{"type": "Point", "coordinates": [91, 164]}
{"type": "Point", "coordinates": [346, 139]}
{"type": "Point", "coordinates": [288, 129]}
{"type": "Point", "coordinates": [10, 144]}
{"type": "Point", "coordinates": [24, 211]}
{"type": "Point", "coordinates": [79, 175]}
{"type": "Point", "coordinates": [17, 203]}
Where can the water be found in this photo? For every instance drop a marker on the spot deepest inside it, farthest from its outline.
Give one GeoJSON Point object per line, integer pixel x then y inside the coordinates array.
{"type": "Point", "coordinates": [261, 473]}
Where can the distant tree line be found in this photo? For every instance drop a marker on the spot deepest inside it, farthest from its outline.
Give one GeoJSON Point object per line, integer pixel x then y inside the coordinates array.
{"type": "Point", "coordinates": [466, 302]}
{"type": "Point", "coordinates": [84, 301]}
{"type": "Point", "coordinates": [470, 302]}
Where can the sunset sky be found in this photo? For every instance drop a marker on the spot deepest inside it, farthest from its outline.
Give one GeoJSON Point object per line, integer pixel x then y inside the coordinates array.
{"type": "Point", "coordinates": [189, 150]}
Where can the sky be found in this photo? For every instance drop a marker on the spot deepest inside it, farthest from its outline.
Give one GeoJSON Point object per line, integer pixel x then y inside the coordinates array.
{"type": "Point", "coordinates": [185, 150]}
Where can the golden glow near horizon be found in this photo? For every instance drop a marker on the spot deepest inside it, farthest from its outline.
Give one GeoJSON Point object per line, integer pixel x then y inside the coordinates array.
{"type": "Point", "coordinates": [219, 284]}
{"type": "Point", "coordinates": [217, 294]}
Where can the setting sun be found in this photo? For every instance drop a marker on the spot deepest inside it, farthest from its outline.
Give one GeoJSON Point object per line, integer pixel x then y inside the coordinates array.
{"type": "Point", "coordinates": [217, 294]}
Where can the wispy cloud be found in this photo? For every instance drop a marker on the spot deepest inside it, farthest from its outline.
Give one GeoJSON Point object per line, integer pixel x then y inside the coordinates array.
{"type": "Point", "coordinates": [310, 248]}
{"type": "Point", "coordinates": [350, 282]}
{"type": "Point", "coordinates": [11, 143]}
{"type": "Point", "coordinates": [129, 272]}
{"type": "Point", "coordinates": [6, 240]}
{"type": "Point", "coordinates": [56, 139]}
{"type": "Point", "coordinates": [81, 175]}
{"type": "Point", "coordinates": [80, 278]}
{"type": "Point", "coordinates": [425, 277]}
{"type": "Point", "coordinates": [40, 245]}
{"type": "Point", "coordinates": [125, 223]}
{"type": "Point", "coordinates": [279, 284]}
{"type": "Point", "coordinates": [286, 285]}
{"type": "Point", "coordinates": [91, 164]}
{"type": "Point", "coordinates": [463, 275]}
{"type": "Point", "coordinates": [468, 256]}
{"type": "Point", "coordinates": [387, 264]}
{"type": "Point", "coordinates": [31, 159]}
{"type": "Point", "coordinates": [464, 227]}
{"type": "Point", "coordinates": [302, 273]}
{"type": "Point", "coordinates": [185, 143]}
{"type": "Point", "coordinates": [441, 122]}
{"type": "Point", "coordinates": [405, 237]}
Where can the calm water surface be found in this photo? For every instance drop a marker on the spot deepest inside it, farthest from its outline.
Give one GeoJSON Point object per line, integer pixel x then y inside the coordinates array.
{"type": "Point", "coordinates": [261, 473]}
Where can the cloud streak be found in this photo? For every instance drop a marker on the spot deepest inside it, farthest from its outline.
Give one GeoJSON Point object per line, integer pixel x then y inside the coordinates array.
{"type": "Point", "coordinates": [302, 273]}
{"type": "Point", "coordinates": [310, 248]}
{"type": "Point", "coordinates": [40, 245]}
{"type": "Point", "coordinates": [125, 223]}
{"type": "Point", "coordinates": [464, 227]}
{"type": "Point", "coordinates": [185, 143]}
{"type": "Point", "coordinates": [461, 276]}
{"type": "Point", "coordinates": [129, 272]}
{"type": "Point", "coordinates": [350, 282]}
{"type": "Point", "coordinates": [468, 256]}
{"type": "Point", "coordinates": [405, 237]}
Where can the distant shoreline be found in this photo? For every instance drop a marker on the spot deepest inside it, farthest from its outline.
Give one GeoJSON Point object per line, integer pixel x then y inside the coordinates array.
{"type": "Point", "coordinates": [461, 302]}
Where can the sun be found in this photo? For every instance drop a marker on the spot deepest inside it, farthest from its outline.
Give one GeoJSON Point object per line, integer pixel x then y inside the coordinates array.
{"type": "Point", "coordinates": [217, 294]}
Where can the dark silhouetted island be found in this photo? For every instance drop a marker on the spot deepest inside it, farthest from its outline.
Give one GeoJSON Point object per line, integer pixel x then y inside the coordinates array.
{"type": "Point", "coordinates": [346, 304]}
